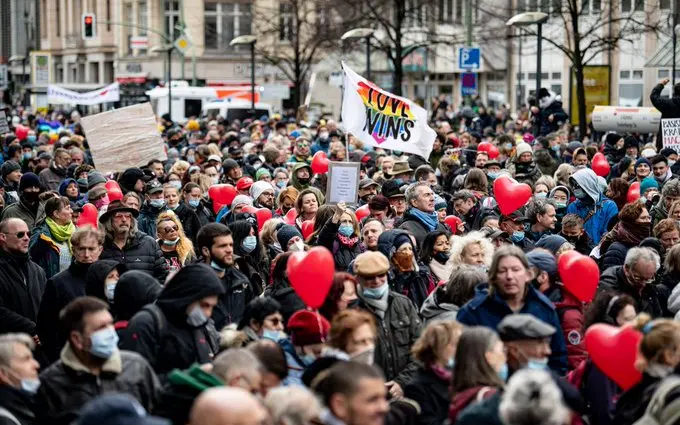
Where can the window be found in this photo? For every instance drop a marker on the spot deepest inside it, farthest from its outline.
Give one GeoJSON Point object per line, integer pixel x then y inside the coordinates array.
{"type": "Point", "coordinates": [596, 6]}
{"type": "Point", "coordinates": [639, 5]}
{"type": "Point", "coordinates": [532, 76]}
{"type": "Point", "coordinates": [127, 17]}
{"type": "Point", "coordinates": [637, 74]}
{"type": "Point", "coordinates": [58, 18]}
{"type": "Point", "coordinates": [665, 4]}
{"type": "Point", "coordinates": [520, 76]}
{"type": "Point", "coordinates": [626, 5]}
{"type": "Point", "coordinates": [192, 107]}
{"type": "Point", "coordinates": [556, 76]}
{"type": "Point", "coordinates": [533, 5]}
{"type": "Point", "coordinates": [663, 73]}
{"type": "Point", "coordinates": [458, 11]}
{"type": "Point", "coordinates": [556, 88]}
{"type": "Point", "coordinates": [445, 11]}
{"type": "Point", "coordinates": [142, 17]}
{"type": "Point", "coordinates": [556, 7]}
{"type": "Point", "coordinates": [545, 75]}
{"type": "Point", "coordinates": [286, 24]}
{"type": "Point", "coordinates": [224, 22]}
{"type": "Point", "coordinates": [108, 15]}
{"type": "Point", "coordinates": [630, 94]}
{"type": "Point", "coordinates": [171, 17]}
{"type": "Point", "coordinates": [624, 75]}
{"type": "Point", "coordinates": [585, 6]}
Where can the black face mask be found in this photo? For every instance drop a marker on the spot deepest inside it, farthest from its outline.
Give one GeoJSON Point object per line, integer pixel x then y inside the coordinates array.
{"type": "Point", "coordinates": [30, 197]}
{"type": "Point", "coordinates": [572, 239]}
{"type": "Point", "coordinates": [304, 181]}
{"type": "Point", "coordinates": [441, 257]}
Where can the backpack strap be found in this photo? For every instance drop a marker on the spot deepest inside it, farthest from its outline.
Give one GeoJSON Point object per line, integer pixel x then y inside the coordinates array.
{"type": "Point", "coordinates": [657, 408]}
{"type": "Point", "coordinates": [4, 413]}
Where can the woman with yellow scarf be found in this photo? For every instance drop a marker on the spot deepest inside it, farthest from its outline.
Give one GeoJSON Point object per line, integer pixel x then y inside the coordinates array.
{"type": "Point", "coordinates": [50, 245]}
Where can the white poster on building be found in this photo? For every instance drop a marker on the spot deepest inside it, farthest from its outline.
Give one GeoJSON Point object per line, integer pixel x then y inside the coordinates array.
{"type": "Point", "coordinates": [61, 96]}
{"type": "Point", "coordinates": [41, 64]}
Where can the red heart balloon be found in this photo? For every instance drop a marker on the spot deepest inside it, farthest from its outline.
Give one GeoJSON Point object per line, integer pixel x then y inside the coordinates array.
{"type": "Point", "coordinates": [307, 228]}
{"type": "Point", "coordinates": [290, 217]}
{"type": "Point", "coordinates": [614, 350]}
{"type": "Point", "coordinates": [262, 214]}
{"type": "Point", "coordinates": [580, 275]}
{"type": "Point", "coordinates": [453, 221]}
{"type": "Point", "coordinates": [362, 212]}
{"type": "Point", "coordinates": [311, 275]}
{"type": "Point", "coordinates": [112, 184]}
{"type": "Point", "coordinates": [484, 147]}
{"type": "Point", "coordinates": [493, 152]}
{"type": "Point", "coordinates": [320, 163]}
{"type": "Point", "coordinates": [221, 195]}
{"type": "Point", "coordinates": [89, 215]}
{"type": "Point", "coordinates": [600, 165]}
{"type": "Point", "coordinates": [633, 192]}
{"type": "Point", "coordinates": [510, 195]}
{"type": "Point", "coordinates": [21, 132]}
{"type": "Point", "coordinates": [114, 191]}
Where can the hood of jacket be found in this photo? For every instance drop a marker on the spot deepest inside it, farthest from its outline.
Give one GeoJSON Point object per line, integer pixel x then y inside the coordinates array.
{"type": "Point", "coordinates": [390, 240]}
{"type": "Point", "coordinates": [96, 275]}
{"type": "Point", "coordinates": [546, 101]}
{"type": "Point", "coordinates": [587, 179]}
{"type": "Point", "coordinates": [544, 158]}
{"type": "Point", "coordinates": [64, 184]}
{"type": "Point", "coordinates": [293, 174]}
{"type": "Point", "coordinates": [432, 308]}
{"type": "Point", "coordinates": [134, 290]}
{"type": "Point", "coordinates": [191, 283]}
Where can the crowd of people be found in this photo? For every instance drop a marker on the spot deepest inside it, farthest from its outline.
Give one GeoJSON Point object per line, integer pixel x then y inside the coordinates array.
{"type": "Point", "coordinates": [173, 308]}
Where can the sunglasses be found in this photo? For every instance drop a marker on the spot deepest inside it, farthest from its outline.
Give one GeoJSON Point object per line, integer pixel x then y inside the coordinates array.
{"type": "Point", "coordinates": [172, 228]}
{"type": "Point", "coordinates": [19, 235]}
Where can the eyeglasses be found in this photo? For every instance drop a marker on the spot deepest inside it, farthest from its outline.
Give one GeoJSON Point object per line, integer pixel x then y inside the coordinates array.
{"type": "Point", "coordinates": [19, 235]}
{"type": "Point", "coordinates": [172, 228]}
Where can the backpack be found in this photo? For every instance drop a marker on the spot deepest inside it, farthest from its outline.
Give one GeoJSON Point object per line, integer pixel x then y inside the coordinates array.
{"type": "Point", "coordinates": [658, 412]}
{"type": "Point", "coordinates": [159, 321]}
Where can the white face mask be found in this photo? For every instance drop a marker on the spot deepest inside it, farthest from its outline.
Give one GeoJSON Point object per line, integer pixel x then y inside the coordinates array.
{"type": "Point", "coordinates": [298, 246]}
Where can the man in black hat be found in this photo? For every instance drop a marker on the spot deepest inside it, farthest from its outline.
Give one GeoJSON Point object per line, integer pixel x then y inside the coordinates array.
{"type": "Point", "coordinates": [29, 208]}
{"type": "Point", "coordinates": [125, 244]}
{"type": "Point", "coordinates": [154, 204]}
{"type": "Point", "coordinates": [513, 225]}
{"type": "Point", "coordinates": [527, 340]}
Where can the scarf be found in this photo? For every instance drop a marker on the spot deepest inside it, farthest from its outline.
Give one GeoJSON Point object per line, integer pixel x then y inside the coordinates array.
{"type": "Point", "coordinates": [441, 372]}
{"type": "Point", "coordinates": [61, 233]}
{"type": "Point", "coordinates": [441, 271]}
{"type": "Point", "coordinates": [430, 220]}
{"type": "Point", "coordinates": [380, 305]}
{"type": "Point", "coordinates": [349, 242]}
{"type": "Point", "coordinates": [628, 235]}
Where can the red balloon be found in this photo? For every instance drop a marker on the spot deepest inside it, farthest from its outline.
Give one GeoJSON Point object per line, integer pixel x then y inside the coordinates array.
{"type": "Point", "coordinates": [493, 152]}
{"type": "Point", "coordinates": [90, 216]}
{"type": "Point", "coordinates": [362, 212]}
{"type": "Point", "coordinates": [510, 195]}
{"type": "Point", "coordinates": [600, 165]}
{"type": "Point", "coordinates": [580, 275]}
{"type": "Point", "coordinates": [221, 195]}
{"type": "Point", "coordinates": [484, 147]}
{"type": "Point", "coordinates": [453, 221]}
{"type": "Point", "coordinates": [21, 132]}
{"type": "Point", "coordinates": [614, 350]}
{"type": "Point", "coordinates": [633, 192]}
{"type": "Point", "coordinates": [320, 163]}
{"type": "Point", "coordinates": [311, 275]}
{"type": "Point", "coordinates": [290, 217]}
{"type": "Point", "coordinates": [114, 191]}
{"type": "Point", "coordinates": [262, 214]}
{"type": "Point", "coordinates": [307, 228]}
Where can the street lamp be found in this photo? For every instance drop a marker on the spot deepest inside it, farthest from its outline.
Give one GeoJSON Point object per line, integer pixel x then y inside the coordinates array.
{"type": "Point", "coordinates": [532, 18]}
{"type": "Point", "coordinates": [359, 33]}
{"type": "Point", "coordinates": [167, 48]}
{"type": "Point", "coordinates": [250, 40]}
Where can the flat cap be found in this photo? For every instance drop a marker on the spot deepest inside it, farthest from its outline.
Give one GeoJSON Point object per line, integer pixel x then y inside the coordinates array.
{"type": "Point", "coordinates": [517, 327]}
{"type": "Point", "coordinates": [371, 263]}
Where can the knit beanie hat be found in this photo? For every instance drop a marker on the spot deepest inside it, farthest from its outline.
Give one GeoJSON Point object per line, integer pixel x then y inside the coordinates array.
{"type": "Point", "coordinates": [94, 178]}
{"type": "Point", "coordinates": [9, 167]}
{"type": "Point", "coordinates": [522, 148]}
{"type": "Point", "coordinates": [307, 328]}
{"type": "Point", "coordinates": [642, 161]}
{"type": "Point", "coordinates": [439, 203]}
{"type": "Point", "coordinates": [611, 139]}
{"type": "Point", "coordinates": [552, 243]}
{"type": "Point", "coordinates": [241, 200]}
{"type": "Point", "coordinates": [285, 234]}
{"type": "Point", "coordinates": [648, 183]}
{"type": "Point", "coordinates": [262, 172]}
{"type": "Point", "coordinates": [631, 142]}
{"type": "Point", "coordinates": [228, 165]}
{"type": "Point", "coordinates": [29, 180]}
{"type": "Point", "coordinates": [258, 188]}
{"type": "Point", "coordinates": [128, 179]}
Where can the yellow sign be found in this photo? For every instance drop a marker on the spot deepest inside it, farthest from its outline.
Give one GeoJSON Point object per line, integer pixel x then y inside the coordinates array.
{"type": "Point", "coordinates": [596, 84]}
{"type": "Point", "coordinates": [182, 44]}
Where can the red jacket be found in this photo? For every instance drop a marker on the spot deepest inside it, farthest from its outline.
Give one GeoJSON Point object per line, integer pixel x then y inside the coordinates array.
{"type": "Point", "coordinates": [570, 311]}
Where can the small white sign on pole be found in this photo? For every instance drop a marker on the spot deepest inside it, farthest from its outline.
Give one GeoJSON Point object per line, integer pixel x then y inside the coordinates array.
{"type": "Point", "coordinates": [343, 182]}
{"type": "Point", "coordinates": [670, 129]}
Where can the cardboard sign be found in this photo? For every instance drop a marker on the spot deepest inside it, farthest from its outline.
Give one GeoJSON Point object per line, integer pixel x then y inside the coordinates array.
{"type": "Point", "coordinates": [124, 138]}
{"type": "Point", "coordinates": [343, 182]}
{"type": "Point", "coordinates": [4, 126]}
{"type": "Point", "coordinates": [670, 129]}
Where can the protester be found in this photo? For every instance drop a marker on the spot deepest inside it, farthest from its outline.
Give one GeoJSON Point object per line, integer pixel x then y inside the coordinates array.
{"type": "Point", "coordinates": [262, 319]}
{"type": "Point", "coordinates": [18, 379]}
{"type": "Point", "coordinates": [340, 235]}
{"type": "Point", "coordinates": [573, 232]}
{"type": "Point", "coordinates": [308, 333]}
{"type": "Point", "coordinates": [249, 254]}
{"type": "Point", "coordinates": [445, 301]}
{"type": "Point", "coordinates": [472, 249]}
{"type": "Point", "coordinates": [634, 225]}
{"type": "Point", "coordinates": [176, 246]}
{"type": "Point", "coordinates": [342, 294]}
{"type": "Point", "coordinates": [50, 245]}
{"type": "Point", "coordinates": [435, 255]}
{"type": "Point", "coordinates": [154, 204]}
{"type": "Point", "coordinates": [28, 209]}
{"type": "Point", "coordinates": [542, 216]}
{"type": "Point", "coordinates": [132, 291]}
{"type": "Point", "coordinates": [591, 205]}
{"type": "Point", "coordinates": [420, 218]}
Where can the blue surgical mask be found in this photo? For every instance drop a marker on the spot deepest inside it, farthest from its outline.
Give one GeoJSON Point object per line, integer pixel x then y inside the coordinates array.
{"type": "Point", "coordinates": [375, 293]}
{"type": "Point", "coordinates": [31, 138]}
{"type": "Point", "coordinates": [249, 244]}
{"type": "Point", "coordinates": [556, 148]}
{"type": "Point", "coordinates": [281, 184]}
{"type": "Point", "coordinates": [104, 343]}
{"type": "Point", "coordinates": [517, 236]}
{"type": "Point", "coordinates": [308, 359]}
{"type": "Point", "coordinates": [275, 336]}
{"type": "Point", "coordinates": [451, 363]}
{"type": "Point", "coordinates": [537, 364]}
{"type": "Point", "coordinates": [30, 385]}
{"type": "Point", "coordinates": [579, 193]}
{"type": "Point", "coordinates": [540, 195]}
{"type": "Point", "coordinates": [110, 290]}
{"type": "Point", "coordinates": [217, 267]}
{"type": "Point", "coordinates": [346, 230]}
{"type": "Point", "coordinates": [28, 155]}
{"type": "Point", "coordinates": [504, 372]}
{"type": "Point", "coordinates": [196, 317]}
{"type": "Point", "coordinates": [157, 203]}
{"type": "Point", "coordinates": [399, 181]}
{"type": "Point", "coordinates": [176, 184]}
{"type": "Point", "coordinates": [193, 203]}
{"type": "Point", "coordinates": [493, 175]}
{"type": "Point", "coordinates": [561, 204]}
{"type": "Point", "coordinates": [172, 242]}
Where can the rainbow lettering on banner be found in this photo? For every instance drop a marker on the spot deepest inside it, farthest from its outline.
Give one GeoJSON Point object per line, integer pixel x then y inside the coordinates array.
{"type": "Point", "coordinates": [386, 116]}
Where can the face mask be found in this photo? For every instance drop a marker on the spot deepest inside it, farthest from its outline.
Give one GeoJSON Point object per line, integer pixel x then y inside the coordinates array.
{"type": "Point", "coordinates": [671, 163]}
{"type": "Point", "coordinates": [31, 138]}
{"type": "Point", "coordinates": [561, 205]}
{"type": "Point", "coordinates": [375, 293]}
{"type": "Point", "coordinates": [304, 181]}
{"type": "Point", "coordinates": [308, 359]}
{"type": "Point", "coordinates": [28, 155]}
{"type": "Point", "coordinates": [451, 363]}
{"type": "Point", "coordinates": [281, 184]}
{"type": "Point", "coordinates": [556, 148]}
{"type": "Point", "coordinates": [493, 175]}
{"type": "Point", "coordinates": [275, 336]}
{"type": "Point", "coordinates": [104, 343]}
{"type": "Point", "coordinates": [346, 230]}
{"type": "Point", "coordinates": [298, 246]}
{"type": "Point", "coordinates": [508, 146]}
{"type": "Point", "coordinates": [30, 197]}
{"type": "Point", "coordinates": [399, 181]}
{"type": "Point", "coordinates": [517, 236]}
{"type": "Point", "coordinates": [504, 372]}
{"type": "Point", "coordinates": [171, 243]}
{"type": "Point", "coordinates": [441, 257]}
{"type": "Point", "coordinates": [217, 267]}
{"type": "Point", "coordinates": [249, 244]}
{"type": "Point", "coordinates": [580, 193]}
{"type": "Point", "coordinates": [176, 184]}
{"type": "Point", "coordinates": [196, 317]}
{"type": "Point", "coordinates": [215, 180]}
{"type": "Point", "coordinates": [364, 356]}
{"type": "Point", "coordinates": [193, 203]}
{"type": "Point", "coordinates": [540, 195]}
{"type": "Point", "coordinates": [30, 385]}
{"type": "Point", "coordinates": [157, 203]}
{"type": "Point", "coordinates": [323, 136]}
{"type": "Point", "coordinates": [101, 203]}
{"type": "Point", "coordinates": [110, 290]}
{"type": "Point", "coordinates": [537, 364]}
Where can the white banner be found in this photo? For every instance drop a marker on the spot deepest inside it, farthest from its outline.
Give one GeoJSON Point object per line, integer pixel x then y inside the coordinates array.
{"type": "Point", "coordinates": [382, 119]}
{"type": "Point", "coordinates": [61, 96]}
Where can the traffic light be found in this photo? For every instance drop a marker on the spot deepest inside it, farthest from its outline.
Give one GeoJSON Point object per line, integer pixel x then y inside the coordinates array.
{"type": "Point", "coordinates": [89, 26]}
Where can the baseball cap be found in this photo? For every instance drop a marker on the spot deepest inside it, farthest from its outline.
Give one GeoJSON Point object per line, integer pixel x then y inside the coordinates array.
{"type": "Point", "coordinates": [153, 186]}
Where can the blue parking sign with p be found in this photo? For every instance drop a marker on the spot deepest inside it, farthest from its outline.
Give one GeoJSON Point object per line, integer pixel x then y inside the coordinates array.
{"type": "Point", "coordinates": [469, 58]}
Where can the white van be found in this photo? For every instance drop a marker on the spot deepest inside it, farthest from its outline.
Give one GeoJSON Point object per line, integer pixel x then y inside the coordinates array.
{"type": "Point", "coordinates": [235, 110]}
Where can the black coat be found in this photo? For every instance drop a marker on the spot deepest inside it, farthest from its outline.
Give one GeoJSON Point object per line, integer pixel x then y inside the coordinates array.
{"type": "Point", "coordinates": [432, 394]}
{"type": "Point", "coordinates": [204, 213]}
{"type": "Point", "coordinates": [653, 299]}
{"type": "Point", "coordinates": [142, 253]}
{"type": "Point", "coordinates": [60, 290]}
{"type": "Point", "coordinates": [342, 254]}
{"type": "Point", "coordinates": [238, 292]}
{"type": "Point", "coordinates": [189, 221]}
{"type": "Point", "coordinates": [632, 404]}
{"type": "Point", "coordinates": [615, 255]}
{"type": "Point", "coordinates": [411, 224]}
{"type": "Point", "coordinates": [19, 403]}
{"type": "Point", "coordinates": [290, 301]}
{"type": "Point", "coordinates": [22, 283]}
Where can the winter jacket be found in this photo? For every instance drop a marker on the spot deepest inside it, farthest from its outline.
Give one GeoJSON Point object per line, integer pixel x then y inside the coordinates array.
{"type": "Point", "coordinates": [204, 213]}
{"type": "Point", "coordinates": [553, 107]}
{"type": "Point", "coordinates": [134, 290]}
{"type": "Point", "coordinates": [670, 281]}
{"type": "Point", "coordinates": [22, 284]}
{"type": "Point", "coordinates": [615, 255]}
{"type": "Point", "coordinates": [19, 403]}
{"type": "Point", "coordinates": [162, 335]}
{"type": "Point", "coordinates": [342, 254]}
{"type": "Point", "coordinates": [45, 251]}
{"type": "Point", "coordinates": [95, 281]}
{"type": "Point", "coordinates": [296, 367]}
{"type": "Point", "coordinates": [632, 404]}
{"type": "Point", "coordinates": [485, 412]}
{"type": "Point", "coordinates": [67, 385]}
{"type": "Point", "coordinates": [431, 392]}
{"type": "Point", "coordinates": [433, 309]}
{"type": "Point", "coordinates": [600, 394]}
{"type": "Point", "coordinates": [146, 222]}
{"type": "Point", "coordinates": [653, 299]}
{"type": "Point", "coordinates": [605, 209]}
{"type": "Point", "coordinates": [238, 292]}
{"type": "Point", "coordinates": [524, 172]}
{"type": "Point", "coordinates": [669, 107]}
{"type": "Point", "coordinates": [51, 177]}
{"type": "Point", "coordinates": [282, 292]}
{"type": "Point", "coordinates": [488, 310]}
{"type": "Point", "coordinates": [24, 212]}
{"type": "Point", "coordinates": [189, 220]}
{"type": "Point", "coordinates": [414, 226]}
{"type": "Point", "coordinates": [546, 162]}
{"type": "Point", "coordinates": [140, 253]}
{"type": "Point", "coordinates": [613, 155]}
{"type": "Point", "coordinates": [467, 398]}
{"type": "Point", "coordinates": [60, 290]}
{"type": "Point", "coordinates": [583, 244]}
{"type": "Point", "coordinates": [570, 312]}
{"type": "Point", "coordinates": [397, 332]}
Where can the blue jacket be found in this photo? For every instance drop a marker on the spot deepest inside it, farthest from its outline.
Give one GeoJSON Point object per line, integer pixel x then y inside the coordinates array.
{"type": "Point", "coordinates": [596, 227]}
{"type": "Point", "coordinates": [295, 366]}
{"type": "Point", "coordinates": [486, 310]}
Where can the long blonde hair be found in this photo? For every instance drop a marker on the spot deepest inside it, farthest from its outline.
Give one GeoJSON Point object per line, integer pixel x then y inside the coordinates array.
{"type": "Point", "coordinates": [185, 249]}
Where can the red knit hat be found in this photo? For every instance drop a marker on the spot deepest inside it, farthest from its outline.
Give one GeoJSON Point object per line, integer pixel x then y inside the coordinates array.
{"type": "Point", "coordinates": [307, 328]}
